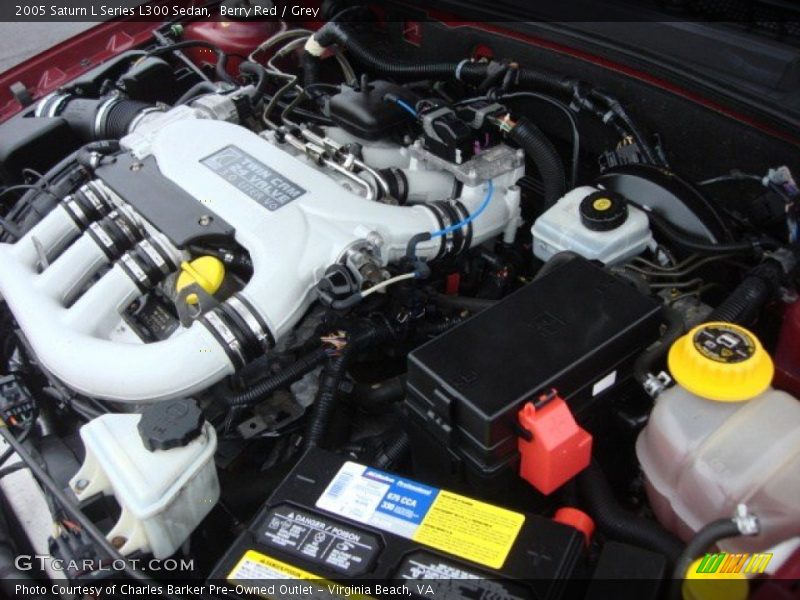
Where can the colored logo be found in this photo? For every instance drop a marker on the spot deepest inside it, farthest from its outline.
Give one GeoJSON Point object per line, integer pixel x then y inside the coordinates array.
{"type": "Point", "coordinates": [724, 562]}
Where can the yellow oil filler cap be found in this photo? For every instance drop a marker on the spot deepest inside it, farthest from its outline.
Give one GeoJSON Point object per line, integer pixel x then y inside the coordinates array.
{"type": "Point", "coordinates": [714, 586]}
{"type": "Point", "coordinates": [206, 271]}
{"type": "Point", "coordinates": [721, 361]}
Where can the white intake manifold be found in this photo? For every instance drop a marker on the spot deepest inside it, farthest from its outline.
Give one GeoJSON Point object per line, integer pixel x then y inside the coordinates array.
{"type": "Point", "coordinates": [68, 323]}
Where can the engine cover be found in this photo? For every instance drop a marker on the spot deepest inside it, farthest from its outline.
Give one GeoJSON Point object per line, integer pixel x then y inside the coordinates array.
{"type": "Point", "coordinates": [290, 217]}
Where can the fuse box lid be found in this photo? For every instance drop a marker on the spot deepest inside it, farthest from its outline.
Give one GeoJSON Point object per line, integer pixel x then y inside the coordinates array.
{"type": "Point", "coordinates": [567, 329]}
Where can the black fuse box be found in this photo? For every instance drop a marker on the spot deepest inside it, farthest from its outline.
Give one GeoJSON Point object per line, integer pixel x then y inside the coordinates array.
{"type": "Point", "coordinates": [333, 521]}
{"type": "Point", "coordinates": [576, 329]}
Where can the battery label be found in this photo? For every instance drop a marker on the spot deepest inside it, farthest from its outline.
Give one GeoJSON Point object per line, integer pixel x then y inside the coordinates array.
{"type": "Point", "coordinates": [452, 581]}
{"type": "Point", "coordinates": [461, 526]}
{"type": "Point", "coordinates": [260, 575]}
{"type": "Point", "coordinates": [320, 539]}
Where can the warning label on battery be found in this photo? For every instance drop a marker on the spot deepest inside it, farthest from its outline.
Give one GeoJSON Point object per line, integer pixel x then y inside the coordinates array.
{"type": "Point", "coordinates": [260, 575]}
{"type": "Point", "coordinates": [461, 526]}
{"type": "Point", "coordinates": [320, 539]}
{"type": "Point", "coordinates": [451, 581]}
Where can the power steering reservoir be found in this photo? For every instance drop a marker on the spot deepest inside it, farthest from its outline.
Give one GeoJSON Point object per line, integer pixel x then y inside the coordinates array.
{"type": "Point", "coordinates": [722, 436]}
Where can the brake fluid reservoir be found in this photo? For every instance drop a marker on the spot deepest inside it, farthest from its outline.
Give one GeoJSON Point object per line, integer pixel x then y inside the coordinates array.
{"type": "Point", "coordinates": [722, 436]}
{"type": "Point", "coordinates": [160, 468]}
{"type": "Point", "coordinates": [597, 224]}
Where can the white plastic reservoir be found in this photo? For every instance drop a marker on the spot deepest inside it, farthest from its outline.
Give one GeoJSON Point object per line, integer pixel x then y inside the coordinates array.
{"type": "Point", "coordinates": [702, 457]}
{"type": "Point", "coordinates": [564, 227]}
{"type": "Point", "coordinates": [163, 494]}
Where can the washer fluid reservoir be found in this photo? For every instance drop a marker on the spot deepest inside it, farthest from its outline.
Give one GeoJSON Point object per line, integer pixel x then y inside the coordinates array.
{"type": "Point", "coordinates": [159, 466]}
{"type": "Point", "coordinates": [722, 436]}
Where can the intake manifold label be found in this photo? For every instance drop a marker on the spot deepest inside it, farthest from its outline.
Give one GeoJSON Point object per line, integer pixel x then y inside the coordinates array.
{"type": "Point", "coordinates": [253, 178]}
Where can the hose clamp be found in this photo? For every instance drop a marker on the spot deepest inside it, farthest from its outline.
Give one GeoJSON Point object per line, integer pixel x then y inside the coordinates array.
{"type": "Point", "coordinates": [220, 330]}
{"type": "Point", "coordinates": [51, 105]}
{"type": "Point", "coordinates": [460, 66]}
{"type": "Point", "coordinates": [75, 211]}
{"type": "Point", "coordinates": [134, 271]}
{"type": "Point", "coordinates": [102, 114]}
{"type": "Point", "coordinates": [746, 521]}
{"type": "Point", "coordinates": [257, 328]}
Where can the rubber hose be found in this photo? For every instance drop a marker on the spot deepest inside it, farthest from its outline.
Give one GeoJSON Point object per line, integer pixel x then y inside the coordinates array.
{"type": "Point", "coordinates": [541, 151]}
{"type": "Point", "coordinates": [750, 296]}
{"type": "Point", "coordinates": [645, 363]}
{"type": "Point", "coordinates": [13, 468]}
{"type": "Point", "coordinates": [121, 116]}
{"type": "Point", "coordinates": [325, 403]}
{"type": "Point", "coordinates": [311, 68]}
{"type": "Point", "coordinates": [702, 541]}
{"type": "Point", "coordinates": [82, 115]}
{"type": "Point", "coordinates": [424, 330]}
{"type": "Point", "coordinates": [619, 524]}
{"type": "Point", "coordinates": [692, 245]}
{"type": "Point", "coordinates": [201, 87]}
{"type": "Point", "coordinates": [260, 73]}
{"type": "Point", "coordinates": [535, 78]}
{"type": "Point", "coordinates": [334, 33]}
{"type": "Point", "coordinates": [464, 302]}
{"type": "Point", "coordinates": [62, 178]}
{"type": "Point", "coordinates": [103, 147]}
{"type": "Point", "coordinates": [222, 57]}
{"type": "Point", "coordinates": [555, 261]}
{"type": "Point", "coordinates": [382, 393]}
{"type": "Point", "coordinates": [268, 386]}
{"type": "Point", "coordinates": [394, 451]}
{"type": "Point", "coordinates": [467, 71]}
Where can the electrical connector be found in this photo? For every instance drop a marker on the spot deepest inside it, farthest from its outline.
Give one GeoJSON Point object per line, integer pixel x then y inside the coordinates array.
{"type": "Point", "coordinates": [78, 555]}
{"type": "Point", "coordinates": [16, 404]}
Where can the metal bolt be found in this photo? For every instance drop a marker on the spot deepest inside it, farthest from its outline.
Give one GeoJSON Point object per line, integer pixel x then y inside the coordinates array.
{"type": "Point", "coordinates": [375, 239]}
{"type": "Point", "coordinates": [136, 166]}
{"type": "Point", "coordinates": [81, 484]}
{"type": "Point", "coordinates": [205, 220]}
{"type": "Point", "coordinates": [118, 541]}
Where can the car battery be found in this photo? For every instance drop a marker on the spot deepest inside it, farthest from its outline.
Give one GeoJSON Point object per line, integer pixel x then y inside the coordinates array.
{"type": "Point", "coordinates": [576, 330]}
{"type": "Point", "coordinates": [338, 529]}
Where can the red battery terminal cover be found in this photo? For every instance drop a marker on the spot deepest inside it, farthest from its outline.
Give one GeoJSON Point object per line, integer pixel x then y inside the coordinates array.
{"type": "Point", "coordinates": [553, 447]}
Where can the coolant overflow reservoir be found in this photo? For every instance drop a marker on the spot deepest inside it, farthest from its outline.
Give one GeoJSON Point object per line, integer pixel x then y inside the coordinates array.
{"type": "Point", "coordinates": [722, 436]}
{"type": "Point", "coordinates": [160, 468]}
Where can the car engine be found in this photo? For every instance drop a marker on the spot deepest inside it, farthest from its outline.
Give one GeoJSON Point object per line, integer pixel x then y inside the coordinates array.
{"type": "Point", "coordinates": [327, 308]}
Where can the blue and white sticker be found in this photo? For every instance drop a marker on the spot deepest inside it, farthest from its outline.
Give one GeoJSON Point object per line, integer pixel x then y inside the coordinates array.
{"type": "Point", "coordinates": [373, 497]}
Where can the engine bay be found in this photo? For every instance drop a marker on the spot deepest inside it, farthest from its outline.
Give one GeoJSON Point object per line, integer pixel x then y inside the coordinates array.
{"type": "Point", "coordinates": [343, 308]}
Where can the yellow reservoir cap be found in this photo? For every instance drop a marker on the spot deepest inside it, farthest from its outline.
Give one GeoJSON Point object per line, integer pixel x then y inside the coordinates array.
{"type": "Point", "coordinates": [721, 361]}
{"type": "Point", "coordinates": [602, 204]}
{"type": "Point", "coordinates": [714, 586]}
{"type": "Point", "coordinates": [206, 271]}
